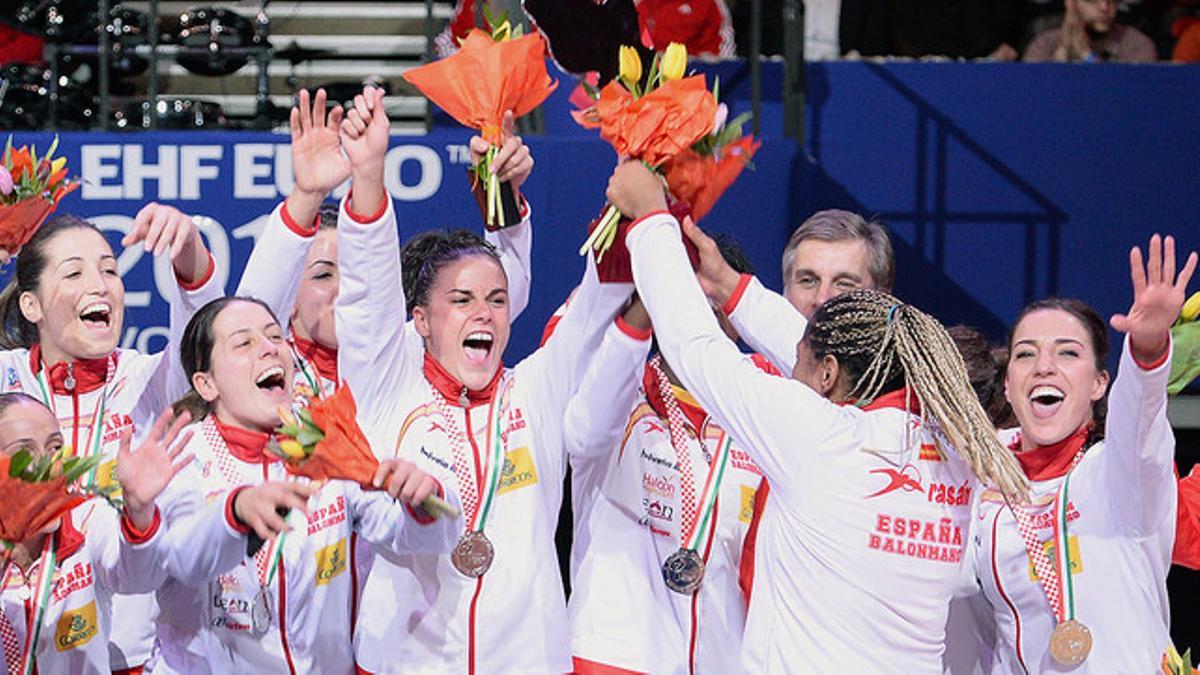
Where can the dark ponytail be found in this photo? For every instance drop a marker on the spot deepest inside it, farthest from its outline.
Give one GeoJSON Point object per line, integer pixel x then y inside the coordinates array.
{"type": "Point", "coordinates": [15, 330]}
{"type": "Point", "coordinates": [424, 256]}
{"type": "Point", "coordinates": [196, 347]}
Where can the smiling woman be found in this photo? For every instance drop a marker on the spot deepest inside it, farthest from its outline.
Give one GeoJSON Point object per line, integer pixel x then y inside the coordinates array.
{"type": "Point", "coordinates": [1077, 578]}
{"type": "Point", "coordinates": [61, 318]}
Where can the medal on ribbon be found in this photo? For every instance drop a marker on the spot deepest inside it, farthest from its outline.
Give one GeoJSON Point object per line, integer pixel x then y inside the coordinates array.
{"type": "Point", "coordinates": [683, 570]}
{"type": "Point", "coordinates": [42, 586]}
{"type": "Point", "coordinates": [1071, 641]}
{"type": "Point", "coordinates": [96, 431]}
{"type": "Point", "coordinates": [473, 554]}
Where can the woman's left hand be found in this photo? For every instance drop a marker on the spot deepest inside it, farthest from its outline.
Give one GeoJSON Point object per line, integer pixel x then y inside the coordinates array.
{"type": "Point", "coordinates": [146, 473]}
{"type": "Point", "coordinates": [1158, 296]}
{"type": "Point", "coordinates": [161, 228]}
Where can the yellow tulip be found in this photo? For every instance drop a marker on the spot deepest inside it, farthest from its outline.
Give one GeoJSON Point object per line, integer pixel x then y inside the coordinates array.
{"type": "Point", "coordinates": [57, 164]}
{"type": "Point", "coordinates": [674, 61]}
{"type": "Point", "coordinates": [292, 449]}
{"type": "Point", "coordinates": [1191, 308]}
{"type": "Point", "coordinates": [631, 65]}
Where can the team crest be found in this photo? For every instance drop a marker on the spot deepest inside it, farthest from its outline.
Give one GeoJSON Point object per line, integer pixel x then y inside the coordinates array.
{"type": "Point", "coordinates": [76, 627]}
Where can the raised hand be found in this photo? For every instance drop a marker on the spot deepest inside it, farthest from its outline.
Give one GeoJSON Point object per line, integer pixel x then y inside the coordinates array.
{"type": "Point", "coordinates": [717, 278]}
{"type": "Point", "coordinates": [513, 162]}
{"type": "Point", "coordinates": [317, 160]}
{"type": "Point", "coordinates": [635, 190]}
{"type": "Point", "coordinates": [144, 474]}
{"type": "Point", "coordinates": [404, 481]}
{"type": "Point", "coordinates": [161, 228]}
{"type": "Point", "coordinates": [364, 134]}
{"type": "Point", "coordinates": [1158, 295]}
{"type": "Point", "coordinates": [259, 507]}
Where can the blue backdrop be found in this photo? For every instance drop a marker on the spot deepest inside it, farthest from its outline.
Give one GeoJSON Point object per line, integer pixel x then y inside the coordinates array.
{"type": "Point", "coordinates": [1001, 183]}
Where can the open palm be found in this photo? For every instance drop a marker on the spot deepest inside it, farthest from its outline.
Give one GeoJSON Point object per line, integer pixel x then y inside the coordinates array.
{"type": "Point", "coordinates": [145, 474]}
{"type": "Point", "coordinates": [1158, 295]}
{"type": "Point", "coordinates": [317, 160]}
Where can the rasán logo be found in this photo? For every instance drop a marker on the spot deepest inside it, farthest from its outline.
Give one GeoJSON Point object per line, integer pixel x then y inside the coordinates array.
{"type": "Point", "coordinates": [907, 479]}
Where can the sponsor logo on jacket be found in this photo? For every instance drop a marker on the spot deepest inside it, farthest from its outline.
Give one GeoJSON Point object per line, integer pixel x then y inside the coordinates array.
{"type": "Point", "coordinates": [327, 516]}
{"type": "Point", "coordinates": [741, 460]}
{"type": "Point", "coordinates": [516, 422]}
{"type": "Point", "coordinates": [658, 485]}
{"type": "Point", "coordinates": [12, 381]}
{"type": "Point", "coordinates": [519, 470]}
{"type": "Point", "coordinates": [1048, 548]}
{"type": "Point", "coordinates": [746, 504]}
{"type": "Point", "coordinates": [331, 561]}
{"type": "Point", "coordinates": [77, 578]}
{"type": "Point", "coordinates": [660, 461]}
{"type": "Point", "coordinates": [657, 509]}
{"type": "Point", "coordinates": [908, 479]}
{"type": "Point", "coordinates": [76, 627]}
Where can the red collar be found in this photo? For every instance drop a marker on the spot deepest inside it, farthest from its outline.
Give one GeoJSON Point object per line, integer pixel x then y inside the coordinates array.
{"type": "Point", "coordinates": [1051, 461]}
{"type": "Point", "coordinates": [70, 539]}
{"type": "Point", "coordinates": [245, 444]}
{"type": "Point", "coordinates": [90, 374]}
{"type": "Point", "coordinates": [895, 399]}
{"type": "Point", "coordinates": [654, 396]}
{"type": "Point", "coordinates": [451, 388]}
{"type": "Point", "coordinates": [323, 358]}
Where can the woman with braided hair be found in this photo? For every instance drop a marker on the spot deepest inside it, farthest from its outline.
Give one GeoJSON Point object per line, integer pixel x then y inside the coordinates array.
{"type": "Point", "coordinates": [873, 456]}
{"type": "Point", "coordinates": [1077, 578]}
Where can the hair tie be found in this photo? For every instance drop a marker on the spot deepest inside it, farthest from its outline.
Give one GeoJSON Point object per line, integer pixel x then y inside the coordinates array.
{"type": "Point", "coordinates": [892, 312]}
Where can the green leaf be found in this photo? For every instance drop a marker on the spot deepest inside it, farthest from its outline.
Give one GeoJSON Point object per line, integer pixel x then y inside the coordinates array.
{"type": "Point", "coordinates": [8, 153]}
{"type": "Point", "coordinates": [309, 436]}
{"type": "Point", "coordinates": [717, 88]}
{"type": "Point", "coordinates": [53, 146]}
{"type": "Point", "coordinates": [1185, 358]}
{"type": "Point", "coordinates": [76, 467]}
{"type": "Point", "coordinates": [592, 92]}
{"type": "Point", "coordinates": [19, 462]}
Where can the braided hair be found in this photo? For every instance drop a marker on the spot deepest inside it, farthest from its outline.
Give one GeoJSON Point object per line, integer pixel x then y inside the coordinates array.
{"type": "Point", "coordinates": [883, 345]}
{"type": "Point", "coordinates": [423, 256]}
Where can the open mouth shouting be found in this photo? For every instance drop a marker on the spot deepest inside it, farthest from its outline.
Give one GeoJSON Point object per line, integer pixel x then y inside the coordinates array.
{"type": "Point", "coordinates": [1045, 400]}
{"type": "Point", "coordinates": [477, 347]}
{"type": "Point", "coordinates": [97, 316]}
{"type": "Point", "coordinates": [272, 381]}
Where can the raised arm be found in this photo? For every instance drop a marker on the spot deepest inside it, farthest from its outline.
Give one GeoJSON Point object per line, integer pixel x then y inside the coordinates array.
{"type": "Point", "coordinates": [512, 164]}
{"type": "Point", "coordinates": [1137, 463]}
{"type": "Point", "coordinates": [162, 230]}
{"type": "Point", "coordinates": [595, 419]}
{"type": "Point", "coordinates": [772, 417]}
{"type": "Point", "coordinates": [370, 313]}
{"type": "Point", "coordinates": [276, 264]}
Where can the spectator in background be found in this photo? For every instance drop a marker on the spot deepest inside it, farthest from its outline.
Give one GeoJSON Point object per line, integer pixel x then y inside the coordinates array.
{"type": "Point", "coordinates": [968, 29]}
{"type": "Point", "coordinates": [18, 46]}
{"type": "Point", "coordinates": [1187, 46]}
{"type": "Point", "coordinates": [1089, 32]}
{"type": "Point", "coordinates": [703, 26]}
{"type": "Point", "coordinates": [986, 366]}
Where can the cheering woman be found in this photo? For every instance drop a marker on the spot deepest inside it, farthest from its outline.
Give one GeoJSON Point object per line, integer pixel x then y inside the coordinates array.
{"type": "Point", "coordinates": [872, 456]}
{"type": "Point", "coordinates": [495, 604]}
{"type": "Point", "coordinates": [286, 606]}
{"type": "Point", "coordinates": [1077, 578]}
{"type": "Point", "coordinates": [61, 319]}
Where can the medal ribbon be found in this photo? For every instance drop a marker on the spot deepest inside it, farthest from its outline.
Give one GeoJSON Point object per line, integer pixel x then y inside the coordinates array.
{"type": "Point", "coordinates": [303, 365]}
{"type": "Point", "coordinates": [470, 484]}
{"type": "Point", "coordinates": [697, 513]}
{"type": "Point", "coordinates": [1054, 574]}
{"type": "Point", "coordinates": [96, 431]}
{"type": "Point", "coordinates": [41, 598]}
{"type": "Point", "coordinates": [266, 560]}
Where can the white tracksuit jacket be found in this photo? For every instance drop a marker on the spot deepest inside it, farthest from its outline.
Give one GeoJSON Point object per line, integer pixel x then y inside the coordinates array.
{"type": "Point", "coordinates": [205, 621]}
{"type": "Point", "coordinates": [1121, 529]}
{"type": "Point", "coordinates": [141, 387]}
{"type": "Point", "coordinates": [98, 554]}
{"type": "Point", "coordinates": [422, 615]}
{"type": "Point", "coordinates": [635, 523]}
{"type": "Point", "coordinates": [861, 544]}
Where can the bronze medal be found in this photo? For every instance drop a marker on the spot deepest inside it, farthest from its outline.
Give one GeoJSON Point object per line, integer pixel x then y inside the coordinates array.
{"type": "Point", "coordinates": [472, 555]}
{"type": "Point", "coordinates": [683, 571]}
{"type": "Point", "coordinates": [1070, 643]}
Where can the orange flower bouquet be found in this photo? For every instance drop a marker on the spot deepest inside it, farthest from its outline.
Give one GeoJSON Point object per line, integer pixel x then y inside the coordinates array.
{"type": "Point", "coordinates": [30, 189]}
{"type": "Point", "coordinates": [652, 124]}
{"type": "Point", "coordinates": [489, 75]}
{"type": "Point", "coordinates": [324, 442]}
{"type": "Point", "coordinates": [699, 175]}
{"type": "Point", "coordinates": [1175, 664]}
{"type": "Point", "coordinates": [35, 491]}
